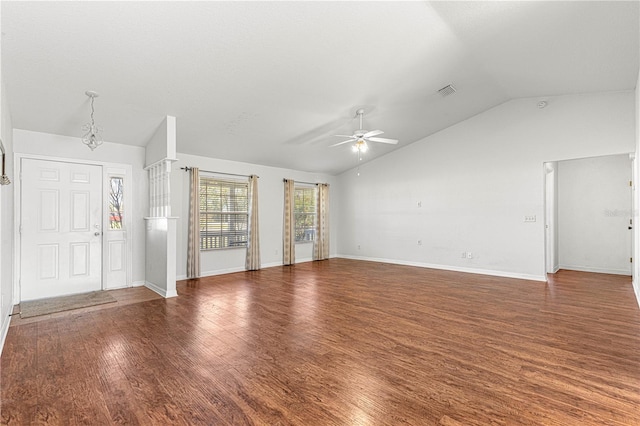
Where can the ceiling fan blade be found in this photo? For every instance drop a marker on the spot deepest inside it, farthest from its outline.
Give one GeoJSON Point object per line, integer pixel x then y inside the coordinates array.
{"type": "Point", "coordinates": [373, 133]}
{"type": "Point", "coordinates": [343, 142]}
{"type": "Point", "coordinates": [345, 136]}
{"type": "Point", "coordinates": [383, 140]}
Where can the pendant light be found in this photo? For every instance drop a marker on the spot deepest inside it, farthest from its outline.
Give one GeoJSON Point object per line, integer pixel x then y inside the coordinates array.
{"type": "Point", "coordinates": [92, 137]}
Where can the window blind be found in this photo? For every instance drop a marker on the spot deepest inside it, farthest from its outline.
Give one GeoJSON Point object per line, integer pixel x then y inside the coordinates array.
{"type": "Point", "coordinates": [223, 213]}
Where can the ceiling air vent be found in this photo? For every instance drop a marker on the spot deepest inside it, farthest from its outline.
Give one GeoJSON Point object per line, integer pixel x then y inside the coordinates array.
{"type": "Point", "coordinates": [447, 90]}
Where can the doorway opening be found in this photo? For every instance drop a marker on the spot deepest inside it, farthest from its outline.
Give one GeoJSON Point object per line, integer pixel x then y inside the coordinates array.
{"type": "Point", "coordinates": [589, 215]}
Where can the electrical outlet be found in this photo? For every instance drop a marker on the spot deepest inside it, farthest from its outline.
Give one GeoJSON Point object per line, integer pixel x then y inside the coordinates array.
{"type": "Point", "coordinates": [530, 218]}
{"type": "Point", "coordinates": [469, 255]}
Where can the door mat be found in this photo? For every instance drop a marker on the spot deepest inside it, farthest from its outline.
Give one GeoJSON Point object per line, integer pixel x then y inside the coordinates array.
{"type": "Point", "coordinates": [36, 308]}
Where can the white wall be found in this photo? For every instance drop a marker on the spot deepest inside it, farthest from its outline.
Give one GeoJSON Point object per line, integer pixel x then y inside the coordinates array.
{"type": "Point", "coordinates": [594, 208]}
{"type": "Point", "coordinates": [162, 144]}
{"type": "Point", "coordinates": [6, 219]}
{"type": "Point", "coordinates": [271, 203]}
{"type": "Point", "coordinates": [160, 261]}
{"type": "Point", "coordinates": [476, 181]}
{"type": "Point", "coordinates": [44, 144]}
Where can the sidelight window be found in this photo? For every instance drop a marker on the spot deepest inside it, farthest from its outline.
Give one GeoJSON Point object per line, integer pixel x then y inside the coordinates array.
{"type": "Point", "coordinates": [116, 202]}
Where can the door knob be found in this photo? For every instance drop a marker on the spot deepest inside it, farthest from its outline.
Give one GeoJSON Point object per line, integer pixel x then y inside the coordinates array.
{"type": "Point", "coordinates": [631, 227]}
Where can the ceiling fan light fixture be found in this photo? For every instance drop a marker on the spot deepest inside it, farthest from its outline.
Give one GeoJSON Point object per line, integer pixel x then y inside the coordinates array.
{"type": "Point", "coordinates": [360, 146]}
{"type": "Point", "coordinates": [360, 137]}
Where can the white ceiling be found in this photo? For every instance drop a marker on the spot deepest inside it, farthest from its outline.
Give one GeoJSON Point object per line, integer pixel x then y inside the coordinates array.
{"type": "Point", "coordinates": [271, 82]}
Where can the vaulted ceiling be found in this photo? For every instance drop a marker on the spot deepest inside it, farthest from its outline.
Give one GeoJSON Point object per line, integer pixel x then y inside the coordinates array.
{"type": "Point", "coordinates": [272, 82]}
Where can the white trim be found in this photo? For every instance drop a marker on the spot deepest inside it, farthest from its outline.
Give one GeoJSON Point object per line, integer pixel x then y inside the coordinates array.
{"type": "Point", "coordinates": [232, 270]}
{"type": "Point", "coordinates": [595, 270]}
{"type": "Point", "coordinates": [504, 274]}
{"type": "Point", "coordinates": [160, 217]}
{"type": "Point", "coordinates": [137, 284]}
{"type": "Point", "coordinates": [17, 212]}
{"type": "Point", "coordinates": [20, 156]}
{"type": "Point", "coordinates": [125, 171]}
{"type": "Point", "coordinates": [222, 272]}
{"type": "Point", "coordinates": [156, 163]}
{"type": "Point", "coordinates": [636, 290]}
{"type": "Point", "coordinates": [6, 321]}
{"type": "Point", "coordinates": [160, 291]}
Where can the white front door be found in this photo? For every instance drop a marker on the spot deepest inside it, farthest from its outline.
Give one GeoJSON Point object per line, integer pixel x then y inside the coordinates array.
{"type": "Point", "coordinates": [60, 229]}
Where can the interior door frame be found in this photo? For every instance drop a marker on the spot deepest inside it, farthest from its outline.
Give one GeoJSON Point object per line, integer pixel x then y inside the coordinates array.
{"type": "Point", "coordinates": [17, 209]}
{"type": "Point", "coordinates": [550, 217]}
{"type": "Point", "coordinates": [633, 213]}
{"type": "Point", "coordinates": [634, 216]}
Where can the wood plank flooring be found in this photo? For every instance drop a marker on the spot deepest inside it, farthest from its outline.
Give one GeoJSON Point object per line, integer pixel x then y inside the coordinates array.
{"type": "Point", "coordinates": [337, 342]}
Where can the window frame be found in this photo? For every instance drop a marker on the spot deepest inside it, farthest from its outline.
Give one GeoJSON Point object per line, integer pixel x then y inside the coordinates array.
{"type": "Point", "coordinates": [208, 215]}
{"type": "Point", "coordinates": [116, 203]}
{"type": "Point", "coordinates": [296, 213]}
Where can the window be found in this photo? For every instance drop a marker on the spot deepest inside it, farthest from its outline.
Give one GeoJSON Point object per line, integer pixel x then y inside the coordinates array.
{"type": "Point", "coordinates": [116, 203]}
{"type": "Point", "coordinates": [223, 213]}
{"type": "Point", "coordinates": [304, 210]}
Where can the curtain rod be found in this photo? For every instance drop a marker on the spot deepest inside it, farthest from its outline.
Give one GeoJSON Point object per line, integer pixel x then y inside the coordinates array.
{"type": "Point", "coordinates": [187, 168]}
{"type": "Point", "coordinates": [306, 183]}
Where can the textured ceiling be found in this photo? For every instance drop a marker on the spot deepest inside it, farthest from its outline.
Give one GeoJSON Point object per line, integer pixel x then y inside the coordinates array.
{"type": "Point", "coordinates": [271, 82]}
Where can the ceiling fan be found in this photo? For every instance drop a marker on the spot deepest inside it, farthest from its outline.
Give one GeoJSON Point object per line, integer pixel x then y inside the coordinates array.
{"type": "Point", "coordinates": [361, 137]}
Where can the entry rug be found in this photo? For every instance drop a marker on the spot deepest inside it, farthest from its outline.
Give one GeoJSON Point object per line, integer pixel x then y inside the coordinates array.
{"type": "Point", "coordinates": [36, 308]}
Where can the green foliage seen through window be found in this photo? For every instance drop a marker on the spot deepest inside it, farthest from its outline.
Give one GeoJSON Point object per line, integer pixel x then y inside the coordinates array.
{"type": "Point", "coordinates": [305, 213]}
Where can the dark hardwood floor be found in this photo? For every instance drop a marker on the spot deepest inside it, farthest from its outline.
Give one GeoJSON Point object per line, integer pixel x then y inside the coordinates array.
{"type": "Point", "coordinates": [337, 342]}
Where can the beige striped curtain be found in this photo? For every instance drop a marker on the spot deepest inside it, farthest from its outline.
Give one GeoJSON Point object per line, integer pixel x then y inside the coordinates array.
{"type": "Point", "coordinates": [321, 242]}
{"type": "Point", "coordinates": [193, 240]}
{"type": "Point", "coordinates": [252, 262]}
{"type": "Point", "coordinates": [289, 238]}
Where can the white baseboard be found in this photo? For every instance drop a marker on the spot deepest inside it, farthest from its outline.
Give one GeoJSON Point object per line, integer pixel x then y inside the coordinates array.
{"type": "Point", "coordinates": [239, 269]}
{"type": "Point", "coordinates": [5, 329]}
{"type": "Point", "coordinates": [636, 290]}
{"type": "Point", "coordinates": [221, 272]}
{"type": "Point", "coordinates": [595, 270]}
{"type": "Point", "coordinates": [137, 284]}
{"type": "Point", "coordinates": [555, 269]}
{"type": "Point", "coordinates": [452, 268]}
{"type": "Point", "coordinates": [162, 292]}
